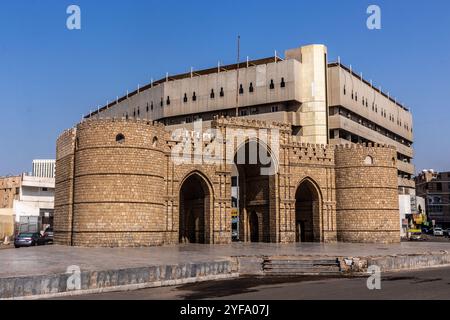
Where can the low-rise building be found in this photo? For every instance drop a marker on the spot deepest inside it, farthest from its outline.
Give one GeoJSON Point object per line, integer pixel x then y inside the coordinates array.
{"type": "Point", "coordinates": [435, 188]}
{"type": "Point", "coordinates": [27, 200]}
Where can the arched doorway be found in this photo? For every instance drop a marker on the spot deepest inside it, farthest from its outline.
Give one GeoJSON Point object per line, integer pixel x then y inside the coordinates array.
{"type": "Point", "coordinates": [256, 215]}
{"type": "Point", "coordinates": [254, 227]}
{"type": "Point", "coordinates": [307, 213]}
{"type": "Point", "coordinates": [194, 210]}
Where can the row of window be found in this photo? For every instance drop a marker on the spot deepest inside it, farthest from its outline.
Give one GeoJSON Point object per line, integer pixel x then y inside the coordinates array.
{"type": "Point", "coordinates": [369, 124]}
{"type": "Point", "coordinates": [375, 109]}
{"type": "Point", "coordinates": [212, 95]}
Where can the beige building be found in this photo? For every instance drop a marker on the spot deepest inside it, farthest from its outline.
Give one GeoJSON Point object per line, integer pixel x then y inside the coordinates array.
{"type": "Point", "coordinates": [118, 183]}
{"type": "Point", "coordinates": [325, 103]}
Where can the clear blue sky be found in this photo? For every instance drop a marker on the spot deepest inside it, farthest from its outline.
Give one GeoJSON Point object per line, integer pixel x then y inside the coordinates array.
{"type": "Point", "coordinates": [50, 76]}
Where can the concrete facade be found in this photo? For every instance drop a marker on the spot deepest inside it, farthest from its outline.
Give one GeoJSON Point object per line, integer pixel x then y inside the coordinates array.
{"type": "Point", "coordinates": [118, 184]}
{"type": "Point", "coordinates": [26, 200]}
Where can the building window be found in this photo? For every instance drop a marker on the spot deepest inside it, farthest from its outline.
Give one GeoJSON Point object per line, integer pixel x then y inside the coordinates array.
{"type": "Point", "coordinates": [272, 85]}
{"type": "Point", "coordinates": [44, 189]}
{"type": "Point", "coordinates": [168, 100]}
{"type": "Point", "coordinates": [146, 108]}
{"type": "Point", "coordinates": [345, 91]}
{"type": "Point", "coordinates": [234, 182]}
{"type": "Point", "coordinates": [151, 106]}
{"type": "Point", "coordinates": [250, 89]}
{"type": "Point", "coordinates": [185, 98]}
{"type": "Point", "coordinates": [120, 138]}
{"type": "Point", "coordinates": [155, 142]}
{"type": "Point", "coordinates": [194, 97]}
{"type": "Point", "coordinates": [356, 96]}
{"type": "Point", "coordinates": [274, 108]}
{"type": "Point", "coordinates": [212, 95]}
{"type": "Point", "coordinates": [162, 102]}
{"type": "Point", "coordinates": [368, 161]}
{"type": "Point", "coordinates": [134, 113]}
{"type": "Point", "coordinates": [282, 84]}
{"type": "Point", "coordinates": [241, 89]}
{"type": "Point", "coordinates": [243, 112]}
{"type": "Point", "coordinates": [221, 92]}
{"type": "Point", "coordinates": [139, 112]}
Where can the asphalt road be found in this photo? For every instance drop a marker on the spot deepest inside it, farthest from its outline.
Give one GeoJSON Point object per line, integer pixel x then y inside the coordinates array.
{"type": "Point", "coordinates": [423, 284]}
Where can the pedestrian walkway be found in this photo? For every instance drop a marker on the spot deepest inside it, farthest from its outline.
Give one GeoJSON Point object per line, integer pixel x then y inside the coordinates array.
{"type": "Point", "coordinates": [56, 259]}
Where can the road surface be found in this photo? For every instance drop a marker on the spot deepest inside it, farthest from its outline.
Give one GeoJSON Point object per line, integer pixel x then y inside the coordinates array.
{"type": "Point", "coordinates": [422, 284]}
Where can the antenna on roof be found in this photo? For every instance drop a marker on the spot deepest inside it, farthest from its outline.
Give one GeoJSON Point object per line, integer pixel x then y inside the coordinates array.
{"type": "Point", "coordinates": [275, 56]}
{"type": "Point", "coordinates": [237, 73]}
{"type": "Point", "coordinates": [167, 76]}
{"type": "Point", "coordinates": [218, 66]}
{"type": "Point", "coordinates": [339, 60]}
{"type": "Point", "coordinates": [139, 87]}
{"type": "Point", "coordinates": [127, 93]}
{"type": "Point", "coordinates": [192, 72]}
{"type": "Point", "coordinates": [247, 61]}
{"type": "Point", "coordinates": [117, 99]}
{"type": "Point", "coordinates": [151, 82]}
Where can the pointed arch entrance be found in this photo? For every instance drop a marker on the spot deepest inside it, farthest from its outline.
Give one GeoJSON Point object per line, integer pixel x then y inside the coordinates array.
{"type": "Point", "coordinates": [256, 196]}
{"type": "Point", "coordinates": [195, 210]}
{"type": "Point", "coordinates": [307, 212]}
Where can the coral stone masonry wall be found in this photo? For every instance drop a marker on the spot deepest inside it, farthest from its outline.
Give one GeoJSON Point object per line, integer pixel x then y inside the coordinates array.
{"type": "Point", "coordinates": [117, 186]}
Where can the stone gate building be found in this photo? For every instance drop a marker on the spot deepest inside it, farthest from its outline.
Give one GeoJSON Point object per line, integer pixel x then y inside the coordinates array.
{"type": "Point", "coordinates": [119, 184]}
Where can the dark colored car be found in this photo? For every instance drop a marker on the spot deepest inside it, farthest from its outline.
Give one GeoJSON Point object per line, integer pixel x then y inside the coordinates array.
{"type": "Point", "coordinates": [48, 235]}
{"type": "Point", "coordinates": [28, 239]}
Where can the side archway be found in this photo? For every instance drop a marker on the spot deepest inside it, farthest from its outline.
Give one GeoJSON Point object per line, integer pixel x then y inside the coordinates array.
{"type": "Point", "coordinates": [308, 209]}
{"type": "Point", "coordinates": [195, 209]}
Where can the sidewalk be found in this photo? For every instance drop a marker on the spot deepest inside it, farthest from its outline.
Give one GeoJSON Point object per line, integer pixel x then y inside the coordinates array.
{"type": "Point", "coordinates": [42, 270]}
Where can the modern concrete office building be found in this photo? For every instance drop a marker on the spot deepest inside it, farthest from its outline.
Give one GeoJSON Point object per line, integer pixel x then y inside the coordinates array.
{"type": "Point", "coordinates": [325, 103]}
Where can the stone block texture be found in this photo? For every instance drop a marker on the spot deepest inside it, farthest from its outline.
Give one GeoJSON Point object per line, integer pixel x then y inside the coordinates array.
{"type": "Point", "coordinates": [117, 185]}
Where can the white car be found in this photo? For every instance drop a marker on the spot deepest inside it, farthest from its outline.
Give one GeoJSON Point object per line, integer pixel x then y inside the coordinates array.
{"type": "Point", "coordinates": [438, 232]}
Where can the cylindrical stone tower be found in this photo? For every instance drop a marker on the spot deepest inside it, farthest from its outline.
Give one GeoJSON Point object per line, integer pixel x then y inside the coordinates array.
{"type": "Point", "coordinates": [116, 186]}
{"type": "Point", "coordinates": [367, 194]}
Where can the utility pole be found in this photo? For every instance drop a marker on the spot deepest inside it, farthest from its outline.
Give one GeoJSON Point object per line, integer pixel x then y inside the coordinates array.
{"type": "Point", "coordinates": [237, 74]}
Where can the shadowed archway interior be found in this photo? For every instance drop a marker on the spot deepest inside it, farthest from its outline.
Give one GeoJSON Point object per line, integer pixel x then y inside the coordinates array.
{"type": "Point", "coordinates": [307, 208]}
{"type": "Point", "coordinates": [194, 210]}
{"type": "Point", "coordinates": [255, 194]}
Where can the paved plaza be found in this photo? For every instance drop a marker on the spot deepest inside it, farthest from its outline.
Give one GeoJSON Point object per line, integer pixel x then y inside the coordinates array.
{"type": "Point", "coordinates": [55, 259]}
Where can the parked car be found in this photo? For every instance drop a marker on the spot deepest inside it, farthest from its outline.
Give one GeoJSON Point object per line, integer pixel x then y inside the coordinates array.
{"type": "Point", "coordinates": [438, 232]}
{"type": "Point", "coordinates": [416, 236]}
{"type": "Point", "coordinates": [447, 232]}
{"type": "Point", "coordinates": [28, 239]}
{"type": "Point", "coordinates": [48, 235]}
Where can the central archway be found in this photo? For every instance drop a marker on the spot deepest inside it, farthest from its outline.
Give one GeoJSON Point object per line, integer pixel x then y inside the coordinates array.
{"type": "Point", "coordinates": [307, 212]}
{"type": "Point", "coordinates": [256, 192]}
{"type": "Point", "coordinates": [194, 212]}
